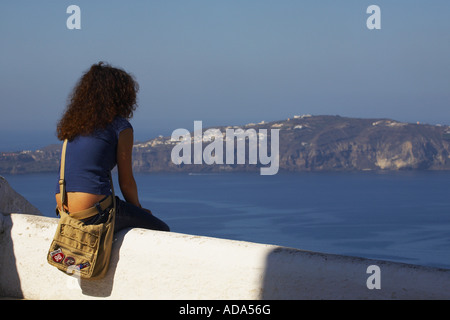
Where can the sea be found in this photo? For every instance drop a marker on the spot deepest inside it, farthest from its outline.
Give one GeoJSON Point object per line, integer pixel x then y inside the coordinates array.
{"type": "Point", "coordinates": [395, 216]}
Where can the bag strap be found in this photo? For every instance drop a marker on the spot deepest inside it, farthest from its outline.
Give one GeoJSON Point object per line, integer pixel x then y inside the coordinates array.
{"type": "Point", "coordinates": [62, 181]}
{"type": "Point", "coordinates": [112, 190]}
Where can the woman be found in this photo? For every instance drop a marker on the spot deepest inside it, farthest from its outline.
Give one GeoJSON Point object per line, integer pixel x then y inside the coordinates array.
{"type": "Point", "coordinates": [99, 137]}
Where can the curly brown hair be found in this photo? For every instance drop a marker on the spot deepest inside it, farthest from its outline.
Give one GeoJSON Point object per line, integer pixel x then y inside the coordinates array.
{"type": "Point", "coordinates": [101, 94]}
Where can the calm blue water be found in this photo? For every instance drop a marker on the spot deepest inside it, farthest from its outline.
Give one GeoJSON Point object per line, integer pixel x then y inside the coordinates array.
{"type": "Point", "coordinates": [401, 216]}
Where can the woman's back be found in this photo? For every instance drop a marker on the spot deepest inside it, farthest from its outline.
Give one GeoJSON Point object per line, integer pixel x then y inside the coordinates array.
{"type": "Point", "coordinates": [99, 138]}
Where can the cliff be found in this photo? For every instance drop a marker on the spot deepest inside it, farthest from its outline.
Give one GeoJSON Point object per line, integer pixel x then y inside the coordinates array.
{"type": "Point", "coordinates": [306, 143]}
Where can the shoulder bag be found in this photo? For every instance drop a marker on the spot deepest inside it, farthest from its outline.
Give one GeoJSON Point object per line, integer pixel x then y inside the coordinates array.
{"type": "Point", "coordinates": [80, 248]}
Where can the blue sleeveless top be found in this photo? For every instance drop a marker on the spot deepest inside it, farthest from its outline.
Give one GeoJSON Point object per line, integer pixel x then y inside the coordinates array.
{"type": "Point", "coordinates": [89, 159]}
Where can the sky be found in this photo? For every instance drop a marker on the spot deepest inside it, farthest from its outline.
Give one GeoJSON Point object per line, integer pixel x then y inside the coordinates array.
{"type": "Point", "coordinates": [225, 62]}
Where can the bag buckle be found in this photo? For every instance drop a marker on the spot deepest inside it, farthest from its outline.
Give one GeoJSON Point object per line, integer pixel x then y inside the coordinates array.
{"type": "Point", "coordinates": [98, 207]}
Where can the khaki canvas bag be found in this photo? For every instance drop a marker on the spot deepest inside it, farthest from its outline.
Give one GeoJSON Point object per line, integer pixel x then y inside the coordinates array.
{"type": "Point", "coordinates": [79, 248]}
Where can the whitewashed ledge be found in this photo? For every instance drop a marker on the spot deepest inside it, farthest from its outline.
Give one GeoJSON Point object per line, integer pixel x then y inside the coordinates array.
{"type": "Point", "coordinates": [149, 264]}
{"type": "Point", "coordinates": [156, 265]}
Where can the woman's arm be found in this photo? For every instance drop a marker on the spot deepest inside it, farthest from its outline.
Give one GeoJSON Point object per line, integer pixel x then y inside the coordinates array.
{"type": "Point", "coordinates": [124, 166]}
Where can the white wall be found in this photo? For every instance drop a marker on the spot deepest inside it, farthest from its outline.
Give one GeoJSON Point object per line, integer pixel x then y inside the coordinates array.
{"type": "Point", "coordinates": [157, 265]}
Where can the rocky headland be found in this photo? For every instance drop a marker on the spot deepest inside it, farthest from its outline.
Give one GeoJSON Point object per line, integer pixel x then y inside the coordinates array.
{"type": "Point", "coordinates": [306, 143]}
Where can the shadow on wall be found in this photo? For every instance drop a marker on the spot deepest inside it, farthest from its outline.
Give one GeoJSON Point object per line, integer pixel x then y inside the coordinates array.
{"type": "Point", "coordinates": [297, 274]}
{"type": "Point", "coordinates": [102, 288]}
{"type": "Point", "coordinates": [9, 278]}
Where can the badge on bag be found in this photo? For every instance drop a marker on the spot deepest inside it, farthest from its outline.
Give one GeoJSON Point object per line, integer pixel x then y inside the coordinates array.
{"type": "Point", "coordinates": [57, 255]}
{"type": "Point", "coordinates": [69, 261]}
{"type": "Point", "coordinates": [82, 265]}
